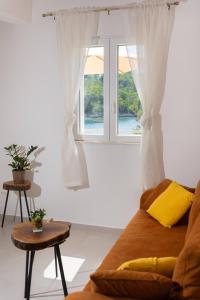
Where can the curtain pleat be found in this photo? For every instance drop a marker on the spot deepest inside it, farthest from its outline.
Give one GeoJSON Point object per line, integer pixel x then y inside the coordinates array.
{"type": "Point", "coordinates": [75, 32]}
{"type": "Point", "coordinates": [149, 27]}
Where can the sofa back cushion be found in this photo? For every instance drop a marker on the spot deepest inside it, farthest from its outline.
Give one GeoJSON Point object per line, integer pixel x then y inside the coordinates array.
{"type": "Point", "coordinates": [195, 210]}
{"type": "Point", "coordinates": [187, 268]}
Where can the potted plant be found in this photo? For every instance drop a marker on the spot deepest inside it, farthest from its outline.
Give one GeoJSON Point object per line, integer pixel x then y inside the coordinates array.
{"type": "Point", "coordinates": [37, 219]}
{"type": "Point", "coordinates": [20, 160]}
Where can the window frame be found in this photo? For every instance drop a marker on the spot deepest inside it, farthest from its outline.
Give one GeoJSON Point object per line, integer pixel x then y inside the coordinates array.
{"type": "Point", "coordinates": [114, 43]}
{"type": "Point", "coordinates": [110, 98]}
{"type": "Point", "coordinates": [102, 42]}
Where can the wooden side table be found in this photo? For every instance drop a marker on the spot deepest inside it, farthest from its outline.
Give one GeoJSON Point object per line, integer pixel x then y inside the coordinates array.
{"type": "Point", "coordinates": [20, 187]}
{"type": "Point", "coordinates": [54, 233]}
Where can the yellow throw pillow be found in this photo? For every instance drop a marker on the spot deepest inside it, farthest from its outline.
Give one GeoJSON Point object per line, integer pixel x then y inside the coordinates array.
{"type": "Point", "coordinates": [171, 205]}
{"type": "Point", "coordinates": [163, 265]}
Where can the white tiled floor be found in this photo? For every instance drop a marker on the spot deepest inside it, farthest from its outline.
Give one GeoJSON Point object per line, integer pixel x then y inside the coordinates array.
{"type": "Point", "coordinates": [88, 243]}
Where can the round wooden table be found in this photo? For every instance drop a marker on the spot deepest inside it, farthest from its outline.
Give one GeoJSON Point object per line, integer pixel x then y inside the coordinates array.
{"type": "Point", "coordinates": [54, 233]}
{"type": "Point", "coordinates": [20, 187]}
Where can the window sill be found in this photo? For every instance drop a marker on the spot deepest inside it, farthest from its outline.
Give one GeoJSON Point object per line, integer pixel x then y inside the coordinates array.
{"type": "Point", "coordinates": [108, 142]}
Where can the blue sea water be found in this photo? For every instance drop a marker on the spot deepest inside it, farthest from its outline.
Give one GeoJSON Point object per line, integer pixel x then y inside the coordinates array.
{"type": "Point", "coordinates": [126, 125]}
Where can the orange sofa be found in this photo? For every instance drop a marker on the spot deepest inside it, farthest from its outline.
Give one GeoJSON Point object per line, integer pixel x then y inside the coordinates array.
{"type": "Point", "coordinates": [143, 237]}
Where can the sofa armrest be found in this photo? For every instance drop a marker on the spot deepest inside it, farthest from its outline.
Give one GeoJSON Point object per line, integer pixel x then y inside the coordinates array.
{"type": "Point", "coordinates": [150, 195]}
{"type": "Point", "coordinates": [93, 296]}
{"type": "Point", "coordinates": [145, 195]}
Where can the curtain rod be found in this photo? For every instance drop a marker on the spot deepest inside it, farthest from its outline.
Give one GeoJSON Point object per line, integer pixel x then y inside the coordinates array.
{"type": "Point", "coordinates": [107, 9]}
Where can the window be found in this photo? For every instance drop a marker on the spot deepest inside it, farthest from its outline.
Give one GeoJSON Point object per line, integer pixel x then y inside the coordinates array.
{"type": "Point", "coordinates": [109, 106]}
{"type": "Point", "coordinates": [92, 94]}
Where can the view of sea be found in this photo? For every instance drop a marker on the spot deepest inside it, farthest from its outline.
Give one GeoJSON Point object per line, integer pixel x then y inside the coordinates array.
{"type": "Point", "coordinates": [126, 125]}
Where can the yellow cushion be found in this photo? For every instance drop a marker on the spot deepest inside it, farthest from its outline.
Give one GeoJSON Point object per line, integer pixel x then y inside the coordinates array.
{"type": "Point", "coordinates": [171, 205]}
{"type": "Point", "coordinates": [163, 265]}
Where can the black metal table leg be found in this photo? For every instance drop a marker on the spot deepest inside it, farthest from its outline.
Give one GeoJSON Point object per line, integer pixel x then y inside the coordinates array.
{"type": "Point", "coordinates": [57, 251]}
{"type": "Point", "coordinates": [5, 208]}
{"type": "Point", "coordinates": [56, 262]}
{"type": "Point", "coordinates": [27, 207]}
{"type": "Point", "coordinates": [28, 273]}
{"type": "Point", "coordinates": [20, 202]}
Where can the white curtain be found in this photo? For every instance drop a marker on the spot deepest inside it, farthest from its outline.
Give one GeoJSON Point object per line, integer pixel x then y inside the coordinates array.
{"type": "Point", "coordinates": [75, 32]}
{"type": "Point", "coordinates": [149, 27]}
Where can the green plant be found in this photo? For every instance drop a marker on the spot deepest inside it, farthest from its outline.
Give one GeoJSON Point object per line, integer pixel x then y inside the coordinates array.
{"type": "Point", "coordinates": [38, 215]}
{"type": "Point", "coordinates": [20, 156]}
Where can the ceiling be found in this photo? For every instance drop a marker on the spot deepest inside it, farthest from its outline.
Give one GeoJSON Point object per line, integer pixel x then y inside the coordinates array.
{"type": "Point", "coordinates": [17, 11]}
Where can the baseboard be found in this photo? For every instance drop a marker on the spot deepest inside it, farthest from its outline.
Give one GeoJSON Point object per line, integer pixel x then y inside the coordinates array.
{"type": "Point", "coordinates": [11, 218]}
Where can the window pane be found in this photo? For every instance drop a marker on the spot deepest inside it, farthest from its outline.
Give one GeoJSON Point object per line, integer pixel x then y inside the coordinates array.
{"type": "Point", "coordinates": [92, 112]}
{"type": "Point", "coordinates": [129, 105]}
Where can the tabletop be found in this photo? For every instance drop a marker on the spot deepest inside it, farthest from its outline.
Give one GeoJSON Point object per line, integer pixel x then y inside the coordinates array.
{"type": "Point", "coordinates": [54, 232]}
{"type": "Point", "coordinates": [13, 186]}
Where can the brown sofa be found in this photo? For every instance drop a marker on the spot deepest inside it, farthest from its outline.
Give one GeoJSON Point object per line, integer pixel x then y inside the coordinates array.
{"type": "Point", "coordinates": [143, 237]}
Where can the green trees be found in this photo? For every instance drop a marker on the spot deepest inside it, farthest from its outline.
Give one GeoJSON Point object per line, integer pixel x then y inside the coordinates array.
{"type": "Point", "coordinates": [128, 99]}
{"type": "Point", "coordinates": [93, 95]}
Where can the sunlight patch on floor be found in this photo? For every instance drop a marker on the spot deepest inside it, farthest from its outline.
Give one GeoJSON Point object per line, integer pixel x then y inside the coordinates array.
{"type": "Point", "coordinates": [71, 266]}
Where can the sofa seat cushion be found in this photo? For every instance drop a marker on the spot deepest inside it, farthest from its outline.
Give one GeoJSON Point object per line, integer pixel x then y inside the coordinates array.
{"type": "Point", "coordinates": [144, 237]}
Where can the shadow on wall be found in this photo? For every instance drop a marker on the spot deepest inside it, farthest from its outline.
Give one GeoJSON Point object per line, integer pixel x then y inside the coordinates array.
{"type": "Point", "coordinates": [35, 190]}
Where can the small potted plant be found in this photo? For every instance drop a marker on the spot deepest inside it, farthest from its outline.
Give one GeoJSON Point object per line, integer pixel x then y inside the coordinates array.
{"type": "Point", "coordinates": [20, 160]}
{"type": "Point", "coordinates": [37, 219]}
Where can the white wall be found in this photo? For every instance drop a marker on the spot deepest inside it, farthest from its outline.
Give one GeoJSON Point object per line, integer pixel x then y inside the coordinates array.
{"type": "Point", "coordinates": [32, 113]}
{"type": "Point", "coordinates": [15, 11]}
{"type": "Point", "coordinates": [181, 109]}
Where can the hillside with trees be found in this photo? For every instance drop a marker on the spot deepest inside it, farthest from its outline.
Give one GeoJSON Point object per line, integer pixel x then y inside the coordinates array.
{"type": "Point", "coordinates": [128, 101]}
